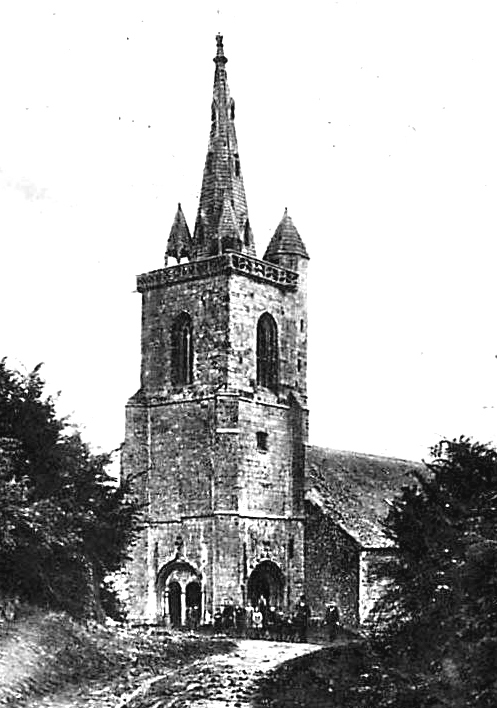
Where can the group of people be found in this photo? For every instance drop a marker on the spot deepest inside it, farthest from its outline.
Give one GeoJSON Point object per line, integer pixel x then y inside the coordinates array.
{"type": "Point", "coordinates": [264, 621]}
{"type": "Point", "coordinates": [260, 620]}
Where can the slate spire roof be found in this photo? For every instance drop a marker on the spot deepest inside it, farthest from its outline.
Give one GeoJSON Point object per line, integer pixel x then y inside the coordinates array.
{"type": "Point", "coordinates": [179, 244]}
{"type": "Point", "coordinates": [222, 215]}
{"type": "Point", "coordinates": [286, 240]}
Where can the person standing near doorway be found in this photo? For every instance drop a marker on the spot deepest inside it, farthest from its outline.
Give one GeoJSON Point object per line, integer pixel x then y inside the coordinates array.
{"type": "Point", "coordinates": [218, 621]}
{"type": "Point", "coordinates": [258, 621]}
{"type": "Point", "coordinates": [240, 621]}
{"type": "Point", "coordinates": [303, 616]}
{"type": "Point", "coordinates": [195, 617]}
{"type": "Point", "coordinates": [249, 621]}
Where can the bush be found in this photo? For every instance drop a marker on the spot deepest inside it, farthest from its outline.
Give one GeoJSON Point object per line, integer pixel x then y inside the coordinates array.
{"type": "Point", "coordinates": [65, 525]}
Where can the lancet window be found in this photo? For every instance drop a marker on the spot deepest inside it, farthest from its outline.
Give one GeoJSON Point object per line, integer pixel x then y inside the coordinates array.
{"type": "Point", "coordinates": [182, 350]}
{"type": "Point", "coordinates": [267, 352]}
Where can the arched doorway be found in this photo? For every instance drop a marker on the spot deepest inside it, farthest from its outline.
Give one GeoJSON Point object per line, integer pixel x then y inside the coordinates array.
{"type": "Point", "coordinates": [174, 602]}
{"type": "Point", "coordinates": [178, 588]}
{"type": "Point", "coordinates": [267, 581]}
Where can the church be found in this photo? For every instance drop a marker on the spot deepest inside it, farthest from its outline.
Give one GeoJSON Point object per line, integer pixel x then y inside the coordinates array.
{"type": "Point", "coordinates": [238, 504]}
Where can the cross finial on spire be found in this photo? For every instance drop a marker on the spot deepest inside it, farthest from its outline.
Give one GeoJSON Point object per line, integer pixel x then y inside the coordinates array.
{"type": "Point", "coordinates": [220, 49]}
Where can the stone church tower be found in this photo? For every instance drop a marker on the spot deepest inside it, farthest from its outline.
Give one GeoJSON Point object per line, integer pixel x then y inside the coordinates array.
{"type": "Point", "coordinates": [215, 436]}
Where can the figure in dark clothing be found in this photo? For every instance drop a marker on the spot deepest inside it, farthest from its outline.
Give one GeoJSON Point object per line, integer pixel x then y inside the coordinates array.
{"type": "Point", "coordinates": [262, 604]}
{"type": "Point", "coordinates": [218, 621]}
{"type": "Point", "coordinates": [271, 622]}
{"type": "Point", "coordinates": [195, 617]}
{"type": "Point", "coordinates": [279, 624]}
{"type": "Point", "coordinates": [332, 621]}
{"type": "Point", "coordinates": [228, 617]}
{"type": "Point", "coordinates": [249, 623]}
{"type": "Point", "coordinates": [240, 621]}
{"type": "Point", "coordinates": [302, 618]}
{"type": "Point", "coordinates": [291, 627]}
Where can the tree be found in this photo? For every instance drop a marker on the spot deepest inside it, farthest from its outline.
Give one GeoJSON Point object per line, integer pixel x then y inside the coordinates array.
{"type": "Point", "coordinates": [441, 602]}
{"type": "Point", "coordinates": [64, 523]}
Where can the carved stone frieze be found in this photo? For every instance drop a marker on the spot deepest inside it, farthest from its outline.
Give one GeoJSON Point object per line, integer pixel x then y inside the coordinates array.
{"type": "Point", "coordinates": [218, 265]}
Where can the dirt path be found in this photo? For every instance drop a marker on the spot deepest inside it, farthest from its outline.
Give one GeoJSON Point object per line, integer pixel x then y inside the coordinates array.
{"type": "Point", "coordinates": [218, 681]}
{"type": "Point", "coordinates": [225, 681]}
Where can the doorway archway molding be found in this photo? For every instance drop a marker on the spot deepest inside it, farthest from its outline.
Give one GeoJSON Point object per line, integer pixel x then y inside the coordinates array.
{"type": "Point", "coordinates": [177, 573]}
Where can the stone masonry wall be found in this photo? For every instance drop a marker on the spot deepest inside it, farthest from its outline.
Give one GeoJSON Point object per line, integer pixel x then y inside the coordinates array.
{"type": "Point", "coordinates": [181, 458]}
{"type": "Point", "coordinates": [207, 303]}
{"type": "Point", "coordinates": [249, 299]}
{"type": "Point", "coordinates": [331, 566]}
{"type": "Point", "coordinates": [134, 462]}
{"type": "Point", "coordinates": [265, 475]}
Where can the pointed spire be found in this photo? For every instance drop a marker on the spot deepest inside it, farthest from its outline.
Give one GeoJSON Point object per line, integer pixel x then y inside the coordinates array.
{"type": "Point", "coordinates": [286, 241]}
{"type": "Point", "coordinates": [222, 179]}
{"type": "Point", "coordinates": [179, 244]}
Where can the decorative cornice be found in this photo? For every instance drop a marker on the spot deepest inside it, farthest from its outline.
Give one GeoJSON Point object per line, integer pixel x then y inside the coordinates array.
{"type": "Point", "coordinates": [224, 264]}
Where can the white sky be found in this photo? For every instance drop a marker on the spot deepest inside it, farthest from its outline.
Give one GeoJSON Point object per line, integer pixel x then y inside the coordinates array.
{"type": "Point", "coordinates": [375, 123]}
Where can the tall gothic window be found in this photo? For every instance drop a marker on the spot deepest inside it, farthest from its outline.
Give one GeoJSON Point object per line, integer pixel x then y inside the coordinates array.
{"type": "Point", "coordinates": [182, 350]}
{"type": "Point", "coordinates": [267, 352]}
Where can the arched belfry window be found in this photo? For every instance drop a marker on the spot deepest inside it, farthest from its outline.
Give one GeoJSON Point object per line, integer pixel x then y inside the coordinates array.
{"type": "Point", "coordinates": [267, 352]}
{"type": "Point", "coordinates": [182, 350]}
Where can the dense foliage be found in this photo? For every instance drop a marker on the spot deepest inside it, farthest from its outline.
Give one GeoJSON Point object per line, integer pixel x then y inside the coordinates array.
{"type": "Point", "coordinates": [65, 524]}
{"type": "Point", "coordinates": [442, 631]}
{"type": "Point", "coordinates": [433, 640]}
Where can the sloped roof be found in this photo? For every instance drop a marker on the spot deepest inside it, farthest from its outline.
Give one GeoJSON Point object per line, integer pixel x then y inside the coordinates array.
{"type": "Point", "coordinates": [286, 239]}
{"type": "Point", "coordinates": [355, 488]}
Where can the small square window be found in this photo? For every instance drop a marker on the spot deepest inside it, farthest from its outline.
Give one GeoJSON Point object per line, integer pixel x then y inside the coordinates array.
{"type": "Point", "coordinates": [262, 441]}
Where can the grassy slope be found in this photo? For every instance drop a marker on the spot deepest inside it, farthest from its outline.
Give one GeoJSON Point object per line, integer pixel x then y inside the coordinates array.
{"type": "Point", "coordinates": [42, 653]}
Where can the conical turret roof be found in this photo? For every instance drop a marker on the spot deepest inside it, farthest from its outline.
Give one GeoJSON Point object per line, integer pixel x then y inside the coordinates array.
{"type": "Point", "coordinates": [179, 244]}
{"type": "Point", "coordinates": [286, 240]}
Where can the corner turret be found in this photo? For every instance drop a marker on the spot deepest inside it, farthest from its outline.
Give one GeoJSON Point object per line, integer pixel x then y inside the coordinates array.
{"type": "Point", "coordinates": [179, 244]}
{"type": "Point", "coordinates": [286, 245]}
